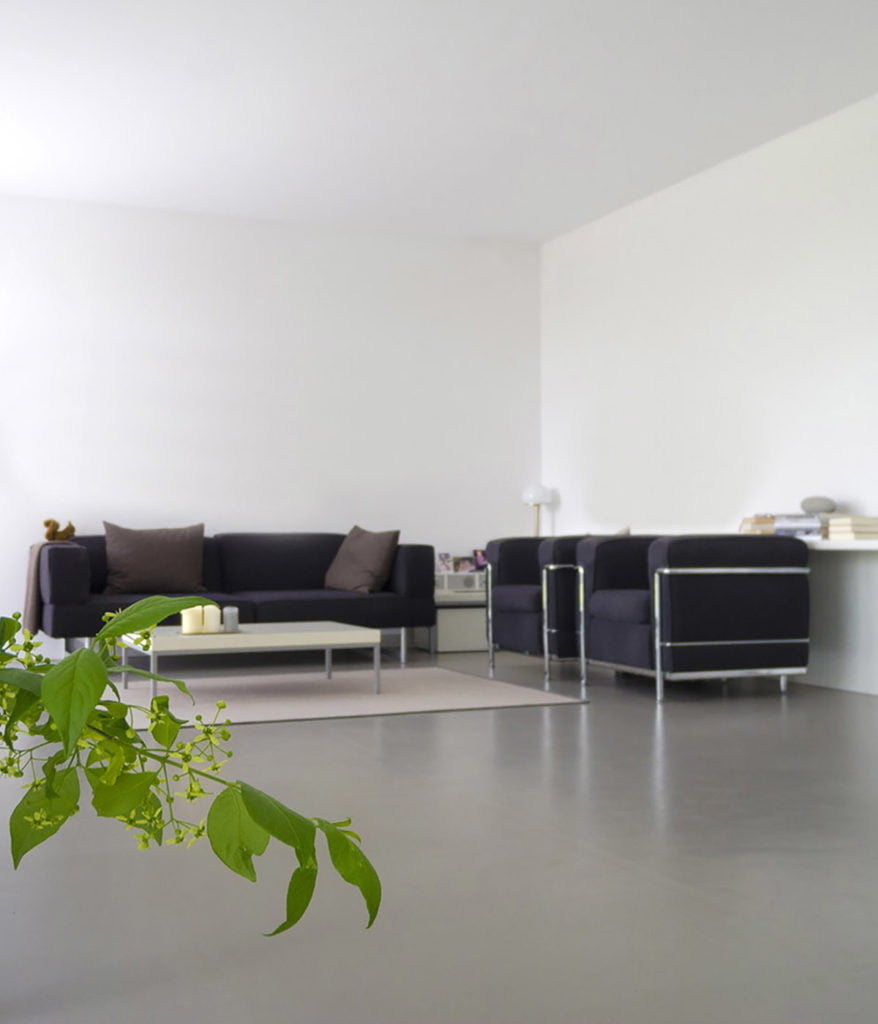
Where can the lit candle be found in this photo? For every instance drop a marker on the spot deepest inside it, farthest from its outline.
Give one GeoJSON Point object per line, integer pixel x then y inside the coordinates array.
{"type": "Point", "coordinates": [211, 618]}
{"type": "Point", "coordinates": [190, 620]}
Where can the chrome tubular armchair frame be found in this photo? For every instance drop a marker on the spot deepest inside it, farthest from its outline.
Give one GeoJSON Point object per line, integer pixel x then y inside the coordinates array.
{"type": "Point", "coordinates": [660, 644]}
{"type": "Point", "coordinates": [548, 630]}
{"type": "Point", "coordinates": [539, 608]}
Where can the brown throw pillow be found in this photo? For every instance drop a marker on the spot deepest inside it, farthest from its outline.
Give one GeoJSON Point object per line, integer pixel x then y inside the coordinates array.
{"type": "Point", "coordinates": [363, 562]}
{"type": "Point", "coordinates": [154, 561]}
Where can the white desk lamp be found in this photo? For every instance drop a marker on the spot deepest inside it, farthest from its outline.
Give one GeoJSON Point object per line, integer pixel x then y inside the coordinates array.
{"type": "Point", "coordinates": [535, 496]}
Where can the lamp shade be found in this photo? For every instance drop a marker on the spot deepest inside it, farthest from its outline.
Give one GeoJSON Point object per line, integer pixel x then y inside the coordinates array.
{"type": "Point", "coordinates": [536, 494]}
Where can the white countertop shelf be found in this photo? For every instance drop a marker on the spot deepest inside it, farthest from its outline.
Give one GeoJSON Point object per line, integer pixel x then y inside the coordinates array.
{"type": "Point", "coordinates": [842, 545]}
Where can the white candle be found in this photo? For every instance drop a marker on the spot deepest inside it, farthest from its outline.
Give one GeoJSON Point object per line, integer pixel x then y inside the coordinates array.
{"type": "Point", "coordinates": [211, 618]}
{"type": "Point", "coordinates": [230, 618]}
{"type": "Point", "coordinates": [190, 620]}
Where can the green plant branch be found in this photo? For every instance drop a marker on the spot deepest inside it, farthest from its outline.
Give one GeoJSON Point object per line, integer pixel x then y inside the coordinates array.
{"type": "Point", "coordinates": [84, 736]}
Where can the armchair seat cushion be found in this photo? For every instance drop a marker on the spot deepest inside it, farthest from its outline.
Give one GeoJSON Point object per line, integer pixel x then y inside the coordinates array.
{"type": "Point", "coordinates": [518, 597]}
{"type": "Point", "coordinates": [620, 605]}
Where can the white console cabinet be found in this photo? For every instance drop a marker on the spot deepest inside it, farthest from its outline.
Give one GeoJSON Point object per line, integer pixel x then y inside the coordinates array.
{"type": "Point", "coordinates": [844, 615]}
{"type": "Point", "coordinates": [460, 623]}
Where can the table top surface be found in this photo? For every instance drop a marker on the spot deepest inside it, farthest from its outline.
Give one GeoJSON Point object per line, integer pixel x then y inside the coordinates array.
{"type": "Point", "coordinates": [266, 636]}
{"type": "Point", "coordinates": [842, 545]}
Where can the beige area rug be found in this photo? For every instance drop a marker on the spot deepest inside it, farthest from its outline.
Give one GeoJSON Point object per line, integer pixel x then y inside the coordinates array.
{"type": "Point", "coordinates": [290, 696]}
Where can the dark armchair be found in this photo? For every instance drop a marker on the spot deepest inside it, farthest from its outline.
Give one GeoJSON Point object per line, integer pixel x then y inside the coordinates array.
{"type": "Point", "coordinates": [532, 598]}
{"type": "Point", "coordinates": [695, 607]}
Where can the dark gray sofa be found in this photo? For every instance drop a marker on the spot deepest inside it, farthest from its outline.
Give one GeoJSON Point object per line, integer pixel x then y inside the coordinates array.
{"type": "Point", "coordinates": [270, 577]}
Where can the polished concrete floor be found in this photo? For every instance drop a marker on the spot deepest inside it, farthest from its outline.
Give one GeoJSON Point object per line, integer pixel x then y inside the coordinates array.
{"type": "Point", "coordinates": [712, 861]}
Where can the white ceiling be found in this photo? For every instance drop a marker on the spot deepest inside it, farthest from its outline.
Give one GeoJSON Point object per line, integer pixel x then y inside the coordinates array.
{"type": "Point", "coordinates": [493, 118]}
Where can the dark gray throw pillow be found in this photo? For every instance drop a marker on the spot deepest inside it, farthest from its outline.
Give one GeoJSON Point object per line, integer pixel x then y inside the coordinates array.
{"type": "Point", "coordinates": [363, 562]}
{"type": "Point", "coordinates": [154, 561]}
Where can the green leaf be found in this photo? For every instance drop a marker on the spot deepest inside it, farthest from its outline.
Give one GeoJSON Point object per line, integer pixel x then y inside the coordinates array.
{"type": "Point", "coordinates": [299, 893]}
{"type": "Point", "coordinates": [353, 865]}
{"type": "Point", "coordinates": [116, 710]}
{"type": "Point", "coordinates": [38, 816]}
{"type": "Point", "coordinates": [24, 680]}
{"type": "Point", "coordinates": [181, 686]}
{"type": "Point", "coordinates": [119, 799]}
{"type": "Point", "coordinates": [165, 727]}
{"type": "Point", "coordinates": [71, 689]}
{"type": "Point", "coordinates": [279, 821]}
{"type": "Point", "coordinates": [8, 629]}
{"type": "Point", "coordinates": [234, 836]}
{"type": "Point", "coordinates": [145, 614]}
{"type": "Point", "coordinates": [24, 701]}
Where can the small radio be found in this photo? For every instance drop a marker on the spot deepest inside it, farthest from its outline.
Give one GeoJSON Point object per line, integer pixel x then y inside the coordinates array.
{"type": "Point", "coordinates": [451, 581]}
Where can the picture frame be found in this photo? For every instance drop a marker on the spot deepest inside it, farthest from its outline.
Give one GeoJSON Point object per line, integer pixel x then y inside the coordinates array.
{"type": "Point", "coordinates": [444, 562]}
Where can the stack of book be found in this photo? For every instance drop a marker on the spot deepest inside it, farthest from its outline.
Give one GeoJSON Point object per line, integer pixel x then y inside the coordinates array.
{"type": "Point", "coordinates": [784, 525]}
{"type": "Point", "coordinates": [853, 527]}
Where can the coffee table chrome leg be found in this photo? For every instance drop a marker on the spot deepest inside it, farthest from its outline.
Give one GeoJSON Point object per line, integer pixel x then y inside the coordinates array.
{"type": "Point", "coordinates": [329, 663]}
{"type": "Point", "coordinates": [154, 668]}
{"type": "Point", "coordinates": [376, 661]}
{"type": "Point", "coordinates": [403, 646]}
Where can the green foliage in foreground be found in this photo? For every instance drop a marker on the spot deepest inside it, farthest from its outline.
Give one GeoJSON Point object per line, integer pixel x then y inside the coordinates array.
{"type": "Point", "coordinates": [66, 730]}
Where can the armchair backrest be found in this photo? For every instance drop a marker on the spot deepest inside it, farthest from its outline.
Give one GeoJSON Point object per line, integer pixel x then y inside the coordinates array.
{"type": "Point", "coordinates": [514, 560]}
{"type": "Point", "coordinates": [614, 563]}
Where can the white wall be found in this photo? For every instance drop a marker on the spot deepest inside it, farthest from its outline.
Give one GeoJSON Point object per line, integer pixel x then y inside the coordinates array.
{"type": "Point", "coordinates": [712, 351]}
{"type": "Point", "coordinates": [162, 369]}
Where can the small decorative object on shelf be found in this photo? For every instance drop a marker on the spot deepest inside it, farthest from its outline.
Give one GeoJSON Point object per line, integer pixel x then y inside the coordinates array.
{"type": "Point", "coordinates": [853, 528]}
{"type": "Point", "coordinates": [54, 531]}
{"type": "Point", "coordinates": [444, 562]}
{"type": "Point", "coordinates": [231, 622]}
{"type": "Point", "coordinates": [818, 506]}
{"type": "Point", "coordinates": [792, 525]}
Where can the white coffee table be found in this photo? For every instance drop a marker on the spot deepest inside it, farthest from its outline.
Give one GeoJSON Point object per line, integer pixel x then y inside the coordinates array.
{"type": "Point", "coordinates": [264, 636]}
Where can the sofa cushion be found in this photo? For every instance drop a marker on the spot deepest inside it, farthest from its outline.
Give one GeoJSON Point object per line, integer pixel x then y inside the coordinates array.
{"type": "Point", "coordinates": [363, 562]}
{"type": "Point", "coordinates": [620, 605]}
{"type": "Point", "coordinates": [154, 561]}
{"type": "Point", "coordinates": [381, 610]}
{"type": "Point", "coordinates": [84, 619]}
{"type": "Point", "coordinates": [276, 561]}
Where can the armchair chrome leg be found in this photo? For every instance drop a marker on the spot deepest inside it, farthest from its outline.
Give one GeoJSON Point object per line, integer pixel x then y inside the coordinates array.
{"type": "Point", "coordinates": [657, 638]}
{"type": "Point", "coordinates": [403, 646]}
{"type": "Point", "coordinates": [783, 685]}
{"type": "Point", "coordinates": [547, 669]}
{"type": "Point", "coordinates": [580, 634]}
{"type": "Point", "coordinates": [489, 617]}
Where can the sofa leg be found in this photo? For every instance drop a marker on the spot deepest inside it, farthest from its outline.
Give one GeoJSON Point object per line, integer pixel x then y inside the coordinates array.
{"type": "Point", "coordinates": [403, 646]}
{"type": "Point", "coordinates": [783, 684]}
